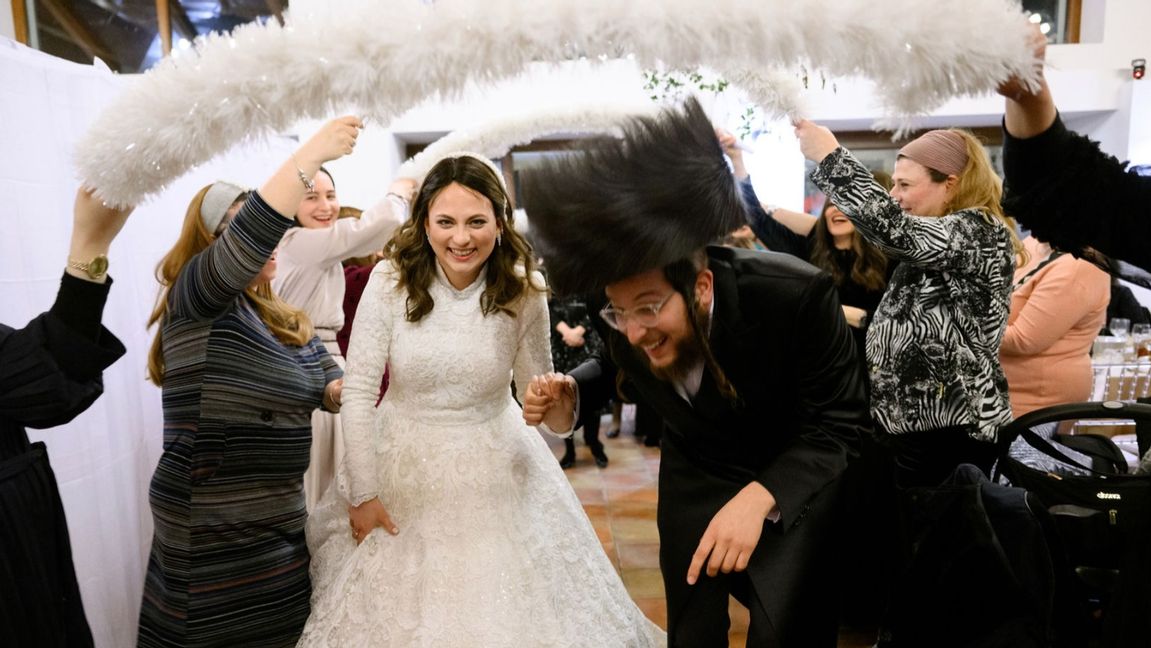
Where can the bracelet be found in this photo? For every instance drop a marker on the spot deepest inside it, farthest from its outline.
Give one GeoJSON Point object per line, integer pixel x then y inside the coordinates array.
{"type": "Point", "coordinates": [309, 183]}
{"type": "Point", "coordinates": [403, 198]}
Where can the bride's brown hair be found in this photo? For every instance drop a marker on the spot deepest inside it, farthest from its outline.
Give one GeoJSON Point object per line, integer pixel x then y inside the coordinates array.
{"type": "Point", "coordinates": [508, 270]}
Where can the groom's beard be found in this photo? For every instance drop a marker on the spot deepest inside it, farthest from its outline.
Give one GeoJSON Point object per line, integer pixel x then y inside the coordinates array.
{"type": "Point", "coordinates": [688, 354]}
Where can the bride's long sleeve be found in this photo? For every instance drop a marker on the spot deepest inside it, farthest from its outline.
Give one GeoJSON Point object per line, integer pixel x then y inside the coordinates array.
{"type": "Point", "coordinates": [533, 350]}
{"type": "Point", "coordinates": [368, 352]}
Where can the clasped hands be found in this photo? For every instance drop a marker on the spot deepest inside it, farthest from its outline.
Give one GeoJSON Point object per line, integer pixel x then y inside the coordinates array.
{"type": "Point", "coordinates": [550, 400]}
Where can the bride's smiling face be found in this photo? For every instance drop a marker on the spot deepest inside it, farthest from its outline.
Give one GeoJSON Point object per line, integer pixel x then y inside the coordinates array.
{"type": "Point", "coordinates": [462, 231]}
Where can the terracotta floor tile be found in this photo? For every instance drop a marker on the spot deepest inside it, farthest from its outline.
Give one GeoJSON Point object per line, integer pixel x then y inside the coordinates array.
{"type": "Point", "coordinates": [638, 531]}
{"type": "Point", "coordinates": [590, 496]}
{"type": "Point", "coordinates": [638, 555]}
{"type": "Point", "coordinates": [739, 616]}
{"type": "Point", "coordinates": [632, 509]}
{"type": "Point", "coordinates": [643, 582]}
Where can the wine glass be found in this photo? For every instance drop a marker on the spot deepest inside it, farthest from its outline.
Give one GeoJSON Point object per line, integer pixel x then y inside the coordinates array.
{"type": "Point", "coordinates": [1119, 326]}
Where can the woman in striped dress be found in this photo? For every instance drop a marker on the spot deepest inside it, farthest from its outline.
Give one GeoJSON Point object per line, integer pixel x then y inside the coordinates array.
{"type": "Point", "coordinates": [241, 372]}
{"type": "Point", "coordinates": [938, 393]}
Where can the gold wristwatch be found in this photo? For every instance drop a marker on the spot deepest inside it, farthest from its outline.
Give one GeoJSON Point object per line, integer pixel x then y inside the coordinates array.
{"type": "Point", "coordinates": [96, 269]}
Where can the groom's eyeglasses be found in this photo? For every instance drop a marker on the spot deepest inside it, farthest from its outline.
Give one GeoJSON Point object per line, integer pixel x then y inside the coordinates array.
{"type": "Point", "coordinates": [646, 315]}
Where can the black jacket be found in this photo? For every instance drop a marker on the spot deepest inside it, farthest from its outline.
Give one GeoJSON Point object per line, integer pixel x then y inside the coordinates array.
{"type": "Point", "coordinates": [779, 335]}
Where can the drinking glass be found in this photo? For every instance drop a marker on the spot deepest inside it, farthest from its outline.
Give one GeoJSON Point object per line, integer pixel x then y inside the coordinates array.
{"type": "Point", "coordinates": [1141, 337]}
{"type": "Point", "coordinates": [1119, 326]}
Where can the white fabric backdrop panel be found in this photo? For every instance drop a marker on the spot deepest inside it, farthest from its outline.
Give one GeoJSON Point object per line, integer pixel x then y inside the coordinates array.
{"type": "Point", "coordinates": [104, 459]}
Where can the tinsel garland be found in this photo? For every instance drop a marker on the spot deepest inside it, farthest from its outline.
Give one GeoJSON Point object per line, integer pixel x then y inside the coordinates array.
{"type": "Point", "coordinates": [380, 58]}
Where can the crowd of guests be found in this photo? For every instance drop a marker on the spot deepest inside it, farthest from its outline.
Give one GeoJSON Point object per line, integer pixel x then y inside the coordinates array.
{"type": "Point", "coordinates": [887, 341]}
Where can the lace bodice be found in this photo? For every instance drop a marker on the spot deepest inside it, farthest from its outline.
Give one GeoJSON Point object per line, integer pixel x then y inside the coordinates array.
{"type": "Point", "coordinates": [455, 366]}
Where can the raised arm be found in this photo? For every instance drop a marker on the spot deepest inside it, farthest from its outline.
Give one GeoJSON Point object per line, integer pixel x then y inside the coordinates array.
{"type": "Point", "coordinates": [217, 275]}
{"type": "Point", "coordinates": [950, 243]}
{"type": "Point", "coordinates": [352, 237]}
{"type": "Point", "coordinates": [50, 370]}
{"type": "Point", "coordinates": [787, 234]}
{"type": "Point", "coordinates": [1061, 186]}
{"type": "Point", "coordinates": [1029, 111]}
{"type": "Point", "coordinates": [770, 229]}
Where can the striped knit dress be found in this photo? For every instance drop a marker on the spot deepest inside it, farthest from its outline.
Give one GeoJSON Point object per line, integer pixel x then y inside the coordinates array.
{"type": "Point", "coordinates": [229, 565]}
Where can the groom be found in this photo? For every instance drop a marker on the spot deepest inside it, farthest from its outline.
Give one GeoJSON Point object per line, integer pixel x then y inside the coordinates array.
{"type": "Point", "coordinates": [745, 354]}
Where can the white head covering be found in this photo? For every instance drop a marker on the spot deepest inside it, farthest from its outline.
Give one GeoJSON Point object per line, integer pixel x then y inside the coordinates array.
{"type": "Point", "coordinates": [482, 158]}
{"type": "Point", "coordinates": [219, 198]}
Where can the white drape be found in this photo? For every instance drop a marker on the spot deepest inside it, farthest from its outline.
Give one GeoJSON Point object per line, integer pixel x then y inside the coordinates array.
{"type": "Point", "coordinates": [104, 459]}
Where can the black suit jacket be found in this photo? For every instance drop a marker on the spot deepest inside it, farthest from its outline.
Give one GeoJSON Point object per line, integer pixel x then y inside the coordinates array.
{"type": "Point", "coordinates": [779, 334]}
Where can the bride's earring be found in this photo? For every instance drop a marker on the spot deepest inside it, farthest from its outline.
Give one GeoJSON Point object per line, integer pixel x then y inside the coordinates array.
{"type": "Point", "coordinates": [499, 239]}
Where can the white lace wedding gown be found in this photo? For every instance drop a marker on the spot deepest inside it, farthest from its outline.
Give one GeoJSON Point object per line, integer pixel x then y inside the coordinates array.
{"type": "Point", "coordinates": [494, 549]}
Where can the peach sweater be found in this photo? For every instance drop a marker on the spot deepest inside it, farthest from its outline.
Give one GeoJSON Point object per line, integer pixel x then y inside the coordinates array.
{"type": "Point", "coordinates": [1055, 315]}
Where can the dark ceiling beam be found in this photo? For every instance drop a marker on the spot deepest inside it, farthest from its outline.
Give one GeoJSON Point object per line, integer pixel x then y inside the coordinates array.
{"type": "Point", "coordinates": [276, 8]}
{"type": "Point", "coordinates": [20, 21]}
{"type": "Point", "coordinates": [164, 26]}
{"type": "Point", "coordinates": [181, 21]}
{"type": "Point", "coordinates": [79, 32]}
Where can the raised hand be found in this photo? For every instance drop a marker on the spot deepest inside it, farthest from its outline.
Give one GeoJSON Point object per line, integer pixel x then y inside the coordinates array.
{"type": "Point", "coordinates": [731, 148]}
{"type": "Point", "coordinates": [1014, 87]}
{"type": "Point", "coordinates": [94, 226]}
{"type": "Point", "coordinates": [815, 141]}
{"type": "Point", "coordinates": [334, 140]}
{"type": "Point", "coordinates": [284, 190]}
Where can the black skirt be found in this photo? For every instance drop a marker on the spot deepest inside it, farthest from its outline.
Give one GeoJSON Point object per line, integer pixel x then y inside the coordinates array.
{"type": "Point", "coordinates": [39, 598]}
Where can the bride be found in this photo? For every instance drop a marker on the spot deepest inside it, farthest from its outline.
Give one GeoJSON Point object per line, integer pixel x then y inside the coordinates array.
{"type": "Point", "coordinates": [463, 530]}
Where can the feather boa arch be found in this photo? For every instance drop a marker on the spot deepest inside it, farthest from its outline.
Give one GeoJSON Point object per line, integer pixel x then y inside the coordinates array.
{"type": "Point", "coordinates": [381, 58]}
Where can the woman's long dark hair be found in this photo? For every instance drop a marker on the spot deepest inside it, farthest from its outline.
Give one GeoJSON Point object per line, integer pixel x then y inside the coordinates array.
{"type": "Point", "coordinates": [869, 269]}
{"type": "Point", "coordinates": [411, 253]}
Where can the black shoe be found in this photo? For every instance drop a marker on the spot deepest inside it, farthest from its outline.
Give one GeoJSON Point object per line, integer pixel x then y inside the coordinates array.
{"type": "Point", "coordinates": [613, 431]}
{"type": "Point", "coordinates": [568, 460]}
{"type": "Point", "coordinates": [651, 441]}
{"type": "Point", "coordinates": [600, 457]}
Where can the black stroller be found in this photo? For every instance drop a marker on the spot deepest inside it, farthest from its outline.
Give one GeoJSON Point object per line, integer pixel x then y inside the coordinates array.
{"type": "Point", "coordinates": [1101, 544]}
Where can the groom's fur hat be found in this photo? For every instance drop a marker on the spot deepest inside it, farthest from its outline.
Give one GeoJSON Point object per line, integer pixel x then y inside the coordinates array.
{"type": "Point", "coordinates": [618, 207]}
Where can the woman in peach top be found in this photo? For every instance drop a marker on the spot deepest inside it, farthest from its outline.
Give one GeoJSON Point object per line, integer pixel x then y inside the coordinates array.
{"type": "Point", "coordinates": [1057, 308]}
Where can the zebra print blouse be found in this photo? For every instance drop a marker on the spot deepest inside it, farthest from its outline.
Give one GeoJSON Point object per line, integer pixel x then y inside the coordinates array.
{"type": "Point", "coordinates": [933, 345]}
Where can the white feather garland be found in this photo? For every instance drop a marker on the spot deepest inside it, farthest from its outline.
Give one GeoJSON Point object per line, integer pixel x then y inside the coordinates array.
{"type": "Point", "coordinates": [382, 58]}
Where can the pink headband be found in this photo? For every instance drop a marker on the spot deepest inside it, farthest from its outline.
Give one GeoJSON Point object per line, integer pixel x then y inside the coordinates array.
{"type": "Point", "coordinates": [942, 150]}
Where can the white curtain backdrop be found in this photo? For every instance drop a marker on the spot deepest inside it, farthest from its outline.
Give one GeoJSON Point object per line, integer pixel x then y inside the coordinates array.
{"type": "Point", "coordinates": [104, 459]}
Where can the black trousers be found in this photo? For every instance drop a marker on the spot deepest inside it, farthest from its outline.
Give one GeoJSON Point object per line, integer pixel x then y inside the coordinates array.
{"type": "Point", "coordinates": [704, 621]}
{"type": "Point", "coordinates": [928, 458]}
{"type": "Point", "coordinates": [40, 602]}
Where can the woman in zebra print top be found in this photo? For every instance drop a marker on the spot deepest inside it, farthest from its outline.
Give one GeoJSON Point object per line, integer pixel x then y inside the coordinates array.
{"type": "Point", "coordinates": [938, 392]}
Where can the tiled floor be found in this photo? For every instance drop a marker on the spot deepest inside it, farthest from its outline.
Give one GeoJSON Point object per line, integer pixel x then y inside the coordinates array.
{"type": "Point", "coordinates": [620, 501]}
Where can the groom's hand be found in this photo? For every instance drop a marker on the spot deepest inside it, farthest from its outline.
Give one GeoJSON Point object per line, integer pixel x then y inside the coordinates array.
{"type": "Point", "coordinates": [733, 533]}
{"type": "Point", "coordinates": [367, 516]}
{"type": "Point", "coordinates": [550, 399]}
